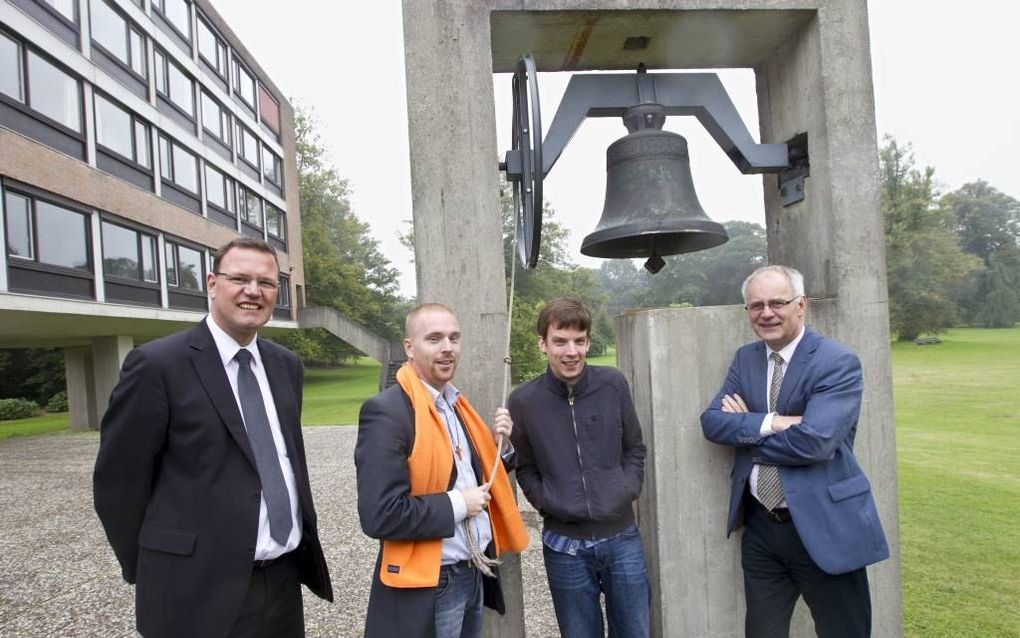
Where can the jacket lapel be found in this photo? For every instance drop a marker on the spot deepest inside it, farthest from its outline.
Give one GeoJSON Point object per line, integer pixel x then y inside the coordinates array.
{"type": "Point", "coordinates": [206, 360]}
{"type": "Point", "coordinates": [758, 400]}
{"type": "Point", "coordinates": [796, 369]}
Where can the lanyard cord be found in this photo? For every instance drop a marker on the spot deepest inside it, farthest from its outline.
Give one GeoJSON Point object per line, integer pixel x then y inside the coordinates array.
{"type": "Point", "coordinates": [506, 358]}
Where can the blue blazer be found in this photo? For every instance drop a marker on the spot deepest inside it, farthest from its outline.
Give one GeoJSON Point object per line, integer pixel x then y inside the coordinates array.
{"type": "Point", "coordinates": [828, 495]}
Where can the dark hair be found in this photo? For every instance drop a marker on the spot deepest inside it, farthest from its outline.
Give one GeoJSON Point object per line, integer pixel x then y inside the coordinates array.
{"type": "Point", "coordinates": [248, 243]}
{"type": "Point", "coordinates": [563, 312]}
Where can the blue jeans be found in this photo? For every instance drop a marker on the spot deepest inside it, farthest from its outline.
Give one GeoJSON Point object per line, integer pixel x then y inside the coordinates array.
{"type": "Point", "coordinates": [616, 568]}
{"type": "Point", "coordinates": [459, 602]}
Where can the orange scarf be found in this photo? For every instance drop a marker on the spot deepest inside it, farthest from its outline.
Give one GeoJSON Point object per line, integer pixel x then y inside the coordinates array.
{"type": "Point", "coordinates": [407, 563]}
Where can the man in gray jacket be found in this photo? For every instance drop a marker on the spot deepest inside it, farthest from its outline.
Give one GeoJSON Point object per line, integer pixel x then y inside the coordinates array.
{"type": "Point", "coordinates": [580, 462]}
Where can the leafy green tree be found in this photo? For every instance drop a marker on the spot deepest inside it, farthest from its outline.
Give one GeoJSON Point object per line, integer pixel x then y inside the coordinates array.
{"type": "Point", "coordinates": [923, 256]}
{"type": "Point", "coordinates": [31, 373]}
{"type": "Point", "coordinates": [987, 223]}
{"type": "Point", "coordinates": [344, 267]}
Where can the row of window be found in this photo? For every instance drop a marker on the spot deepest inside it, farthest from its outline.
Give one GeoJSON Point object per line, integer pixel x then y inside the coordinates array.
{"type": "Point", "coordinates": [55, 236]}
{"type": "Point", "coordinates": [48, 90]}
{"type": "Point", "coordinates": [125, 42]}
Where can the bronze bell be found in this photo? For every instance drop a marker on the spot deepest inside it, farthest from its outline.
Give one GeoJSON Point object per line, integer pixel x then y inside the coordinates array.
{"type": "Point", "coordinates": [651, 208]}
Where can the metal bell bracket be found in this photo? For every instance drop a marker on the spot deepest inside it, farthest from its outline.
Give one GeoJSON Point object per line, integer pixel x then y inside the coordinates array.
{"type": "Point", "coordinates": [699, 94]}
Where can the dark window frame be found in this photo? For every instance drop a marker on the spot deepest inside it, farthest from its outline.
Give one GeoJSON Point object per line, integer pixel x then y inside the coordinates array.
{"type": "Point", "coordinates": [223, 112]}
{"type": "Point", "coordinates": [175, 244]}
{"type": "Point", "coordinates": [284, 291]}
{"type": "Point", "coordinates": [139, 234]}
{"type": "Point", "coordinates": [135, 121]}
{"type": "Point", "coordinates": [229, 188]}
{"type": "Point", "coordinates": [164, 91]}
{"type": "Point", "coordinates": [34, 196]}
{"type": "Point", "coordinates": [25, 104]}
{"type": "Point", "coordinates": [158, 8]}
{"type": "Point", "coordinates": [221, 43]}
{"type": "Point", "coordinates": [60, 16]}
{"type": "Point", "coordinates": [282, 216]}
{"type": "Point", "coordinates": [129, 27]}
{"type": "Point", "coordinates": [244, 194]}
{"type": "Point", "coordinates": [277, 163]}
{"type": "Point", "coordinates": [171, 166]}
{"type": "Point", "coordinates": [241, 67]}
{"type": "Point", "coordinates": [240, 145]}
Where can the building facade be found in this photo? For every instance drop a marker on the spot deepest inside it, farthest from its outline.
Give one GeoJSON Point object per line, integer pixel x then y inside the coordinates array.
{"type": "Point", "coordinates": [136, 136]}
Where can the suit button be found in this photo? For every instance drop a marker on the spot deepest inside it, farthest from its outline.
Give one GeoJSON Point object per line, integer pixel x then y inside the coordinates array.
{"type": "Point", "coordinates": [255, 498]}
{"type": "Point", "coordinates": [251, 550]}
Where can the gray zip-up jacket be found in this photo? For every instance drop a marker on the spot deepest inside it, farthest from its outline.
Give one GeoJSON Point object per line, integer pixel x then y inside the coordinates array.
{"type": "Point", "coordinates": [579, 453]}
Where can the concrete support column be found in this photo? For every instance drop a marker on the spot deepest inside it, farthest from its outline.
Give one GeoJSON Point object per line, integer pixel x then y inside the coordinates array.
{"type": "Point", "coordinates": [108, 354]}
{"type": "Point", "coordinates": [455, 197]}
{"type": "Point", "coordinates": [81, 386]}
{"type": "Point", "coordinates": [676, 360]}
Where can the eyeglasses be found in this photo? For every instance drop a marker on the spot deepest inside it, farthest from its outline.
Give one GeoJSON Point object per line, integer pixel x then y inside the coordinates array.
{"type": "Point", "coordinates": [774, 304]}
{"type": "Point", "coordinates": [242, 281]}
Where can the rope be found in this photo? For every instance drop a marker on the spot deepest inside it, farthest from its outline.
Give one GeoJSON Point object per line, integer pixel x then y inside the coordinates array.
{"type": "Point", "coordinates": [481, 561]}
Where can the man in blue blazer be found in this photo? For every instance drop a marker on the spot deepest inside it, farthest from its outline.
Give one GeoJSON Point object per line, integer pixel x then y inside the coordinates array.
{"type": "Point", "coordinates": [789, 408]}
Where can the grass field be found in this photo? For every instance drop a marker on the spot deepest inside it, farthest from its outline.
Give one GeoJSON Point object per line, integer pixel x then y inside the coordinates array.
{"type": "Point", "coordinates": [958, 446]}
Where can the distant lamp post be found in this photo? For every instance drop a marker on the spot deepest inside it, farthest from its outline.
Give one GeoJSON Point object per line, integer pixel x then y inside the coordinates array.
{"type": "Point", "coordinates": [651, 208]}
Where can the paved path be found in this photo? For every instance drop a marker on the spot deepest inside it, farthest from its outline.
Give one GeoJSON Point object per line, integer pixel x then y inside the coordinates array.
{"type": "Point", "coordinates": [59, 578]}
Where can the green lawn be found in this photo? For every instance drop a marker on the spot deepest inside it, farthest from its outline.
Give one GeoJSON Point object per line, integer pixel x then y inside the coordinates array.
{"type": "Point", "coordinates": [958, 446]}
{"type": "Point", "coordinates": [334, 396]}
{"type": "Point", "coordinates": [45, 424]}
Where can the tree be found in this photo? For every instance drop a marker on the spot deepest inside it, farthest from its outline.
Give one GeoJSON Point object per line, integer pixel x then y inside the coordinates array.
{"type": "Point", "coordinates": [987, 223]}
{"type": "Point", "coordinates": [923, 256]}
{"type": "Point", "coordinates": [344, 268]}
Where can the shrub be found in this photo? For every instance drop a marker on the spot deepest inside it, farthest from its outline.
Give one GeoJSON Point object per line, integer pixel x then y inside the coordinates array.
{"type": "Point", "coordinates": [57, 402]}
{"type": "Point", "coordinates": [17, 409]}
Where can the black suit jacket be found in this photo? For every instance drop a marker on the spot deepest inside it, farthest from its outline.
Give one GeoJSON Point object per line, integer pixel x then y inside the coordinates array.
{"type": "Point", "coordinates": [176, 487]}
{"type": "Point", "coordinates": [388, 511]}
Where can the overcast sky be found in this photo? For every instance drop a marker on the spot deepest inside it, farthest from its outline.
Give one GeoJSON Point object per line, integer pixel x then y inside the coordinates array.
{"type": "Point", "coordinates": [945, 81]}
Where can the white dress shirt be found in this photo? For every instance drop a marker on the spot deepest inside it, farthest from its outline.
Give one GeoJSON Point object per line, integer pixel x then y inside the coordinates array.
{"type": "Point", "coordinates": [456, 548]}
{"type": "Point", "coordinates": [265, 547]}
{"type": "Point", "coordinates": [766, 424]}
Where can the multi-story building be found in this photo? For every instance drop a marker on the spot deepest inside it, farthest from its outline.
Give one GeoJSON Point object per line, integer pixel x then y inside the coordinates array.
{"type": "Point", "coordinates": [136, 136]}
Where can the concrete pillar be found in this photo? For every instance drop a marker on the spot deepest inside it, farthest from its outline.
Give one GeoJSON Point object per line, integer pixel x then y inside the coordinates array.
{"type": "Point", "coordinates": [108, 354]}
{"type": "Point", "coordinates": [676, 360]}
{"type": "Point", "coordinates": [80, 388]}
{"type": "Point", "coordinates": [455, 195]}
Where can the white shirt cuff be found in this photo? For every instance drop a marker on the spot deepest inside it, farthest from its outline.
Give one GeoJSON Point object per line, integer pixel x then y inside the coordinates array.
{"type": "Point", "coordinates": [459, 505]}
{"type": "Point", "coordinates": [766, 425]}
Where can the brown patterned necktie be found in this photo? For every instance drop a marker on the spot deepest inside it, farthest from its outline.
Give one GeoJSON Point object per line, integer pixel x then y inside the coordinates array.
{"type": "Point", "coordinates": [770, 489]}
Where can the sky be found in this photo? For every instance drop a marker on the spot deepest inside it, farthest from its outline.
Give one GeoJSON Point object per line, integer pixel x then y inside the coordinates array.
{"type": "Point", "coordinates": [942, 73]}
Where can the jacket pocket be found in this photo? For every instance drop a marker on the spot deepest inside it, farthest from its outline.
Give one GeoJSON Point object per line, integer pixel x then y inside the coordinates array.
{"type": "Point", "coordinates": [166, 540]}
{"type": "Point", "coordinates": [849, 487]}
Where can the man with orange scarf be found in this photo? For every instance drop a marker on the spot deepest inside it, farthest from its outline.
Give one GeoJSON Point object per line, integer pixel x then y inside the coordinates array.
{"type": "Point", "coordinates": [422, 457]}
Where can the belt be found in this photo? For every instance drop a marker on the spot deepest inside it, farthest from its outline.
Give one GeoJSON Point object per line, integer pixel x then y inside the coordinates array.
{"type": "Point", "coordinates": [269, 562]}
{"type": "Point", "coordinates": [779, 515]}
{"type": "Point", "coordinates": [459, 566]}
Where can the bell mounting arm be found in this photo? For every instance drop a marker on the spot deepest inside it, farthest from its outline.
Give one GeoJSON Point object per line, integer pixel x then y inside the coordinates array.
{"type": "Point", "coordinates": [699, 94]}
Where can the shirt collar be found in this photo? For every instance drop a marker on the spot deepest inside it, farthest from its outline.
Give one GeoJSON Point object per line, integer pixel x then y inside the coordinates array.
{"type": "Point", "coordinates": [786, 352]}
{"type": "Point", "coordinates": [227, 347]}
{"type": "Point", "coordinates": [450, 394]}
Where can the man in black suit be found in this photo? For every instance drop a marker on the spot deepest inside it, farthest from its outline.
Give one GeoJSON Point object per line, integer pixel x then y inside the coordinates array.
{"type": "Point", "coordinates": [201, 482]}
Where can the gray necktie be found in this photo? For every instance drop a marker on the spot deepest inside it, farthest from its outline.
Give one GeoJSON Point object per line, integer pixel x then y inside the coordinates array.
{"type": "Point", "coordinates": [267, 459]}
{"type": "Point", "coordinates": [770, 489]}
